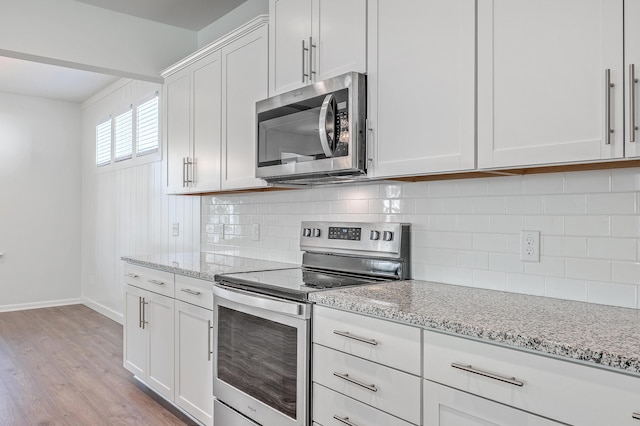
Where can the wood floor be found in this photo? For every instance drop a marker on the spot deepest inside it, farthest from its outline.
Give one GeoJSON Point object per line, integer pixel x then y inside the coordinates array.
{"type": "Point", "coordinates": [63, 366]}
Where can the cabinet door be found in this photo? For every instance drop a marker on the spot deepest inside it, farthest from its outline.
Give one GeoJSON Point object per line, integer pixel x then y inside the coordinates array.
{"type": "Point", "coordinates": [244, 82]}
{"type": "Point", "coordinates": [542, 96]}
{"type": "Point", "coordinates": [193, 362]}
{"type": "Point", "coordinates": [289, 28]}
{"type": "Point", "coordinates": [207, 122]}
{"type": "Point", "coordinates": [340, 35]}
{"type": "Point", "coordinates": [422, 86]}
{"type": "Point", "coordinates": [632, 62]}
{"type": "Point", "coordinates": [177, 107]}
{"type": "Point", "coordinates": [159, 313]}
{"type": "Point", "coordinates": [135, 337]}
{"type": "Point", "coordinates": [444, 406]}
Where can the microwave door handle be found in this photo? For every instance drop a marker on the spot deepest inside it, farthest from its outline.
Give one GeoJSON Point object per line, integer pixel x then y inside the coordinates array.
{"type": "Point", "coordinates": [327, 107]}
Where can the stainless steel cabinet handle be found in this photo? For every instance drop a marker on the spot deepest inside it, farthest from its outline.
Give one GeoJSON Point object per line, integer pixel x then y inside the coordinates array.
{"type": "Point", "coordinates": [635, 416]}
{"type": "Point", "coordinates": [209, 348]}
{"type": "Point", "coordinates": [633, 127]}
{"type": "Point", "coordinates": [189, 291]}
{"type": "Point", "coordinates": [184, 174]}
{"type": "Point", "coordinates": [470, 369]}
{"type": "Point", "coordinates": [607, 96]}
{"type": "Point", "coordinates": [140, 312]}
{"type": "Point", "coordinates": [156, 282]}
{"type": "Point", "coordinates": [354, 337]}
{"type": "Point", "coordinates": [192, 180]}
{"type": "Point", "coordinates": [344, 420]}
{"type": "Point", "coordinates": [346, 377]}
{"type": "Point", "coordinates": [130, 275]}
{"type": "Point", "coordinates": [144, 313]}
{"type": "Point", "coordinates": [311, 70]}
{"type": "Point", "coordinates": [304, 74]}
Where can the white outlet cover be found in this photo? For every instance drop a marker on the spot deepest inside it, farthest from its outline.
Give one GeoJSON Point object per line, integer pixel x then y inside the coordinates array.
{"type": "Point", "coordinates": [255, 232]}
{"type": "Point", "coordinates": [530, 246]}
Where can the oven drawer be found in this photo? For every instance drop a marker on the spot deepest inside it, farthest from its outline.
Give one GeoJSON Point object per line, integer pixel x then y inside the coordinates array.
{"type": "Point", "coordinates": [194, 291]}
{"type": "Point", "coordinates": [385, 342]}
{"type": "Point", "coordinates": [534, 383]}
{"type": "Point", "coordinates": [330, 406]}
{"type": "Point", "coordinates": [225, 416]}
{"type": "Point", "coordinates": [160, 282]}
{"type": "Point", "coordinates": [389, 390]}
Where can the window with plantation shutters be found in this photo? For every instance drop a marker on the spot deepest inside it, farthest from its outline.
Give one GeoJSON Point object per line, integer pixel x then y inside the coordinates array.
{"type": "Point", "coordinates": [123, 135]}
{"type": "Point", "coordinates": [103, 143]}
{"type": "Point", "coordinates": [147, 127]}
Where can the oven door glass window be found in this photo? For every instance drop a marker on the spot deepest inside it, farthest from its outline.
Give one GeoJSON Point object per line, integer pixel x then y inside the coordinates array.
{"type": "Point", "coordinates": [259, 357]}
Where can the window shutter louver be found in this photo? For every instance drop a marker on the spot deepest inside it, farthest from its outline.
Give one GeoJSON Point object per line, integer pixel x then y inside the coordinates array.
{"type": "Point", "coordinates": [147, 127]}
{"type": "Point", "coordinates": [103, 143]}
{"type": "Point", "coordinates": [123, 136]}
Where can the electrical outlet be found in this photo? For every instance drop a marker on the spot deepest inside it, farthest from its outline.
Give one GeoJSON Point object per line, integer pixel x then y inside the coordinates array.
{"type": "Point", "coordinates": [255, 232]}
{"type": "Point", "coordinates": [530, 246]}
{"type": "Point", "coordinates": [175, 229]}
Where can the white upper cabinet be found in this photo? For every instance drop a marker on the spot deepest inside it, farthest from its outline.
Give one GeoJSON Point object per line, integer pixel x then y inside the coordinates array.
{"type": "Point", "coordinates": [421, 87]}
{"type": "Point", "coordinates": [632, 65]}
{"type": "Point", "coordinates": [244, 82]}
{"type": "Point", "coordinates": [312, 40]}
{"type": "Point", "coordinates": [543, 95]}
{"type": "Point", "coordinates": [193, 127]}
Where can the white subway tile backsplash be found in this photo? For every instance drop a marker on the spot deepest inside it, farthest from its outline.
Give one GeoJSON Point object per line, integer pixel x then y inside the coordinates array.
{"type": "Point", "coordinates": [466, 232]}
{"type": "Point", "coordinates": [611, 248]}
{"type": "Point", "coordinates": [613, 294]}
{"type": "Point", "coordinates": [599, 226]}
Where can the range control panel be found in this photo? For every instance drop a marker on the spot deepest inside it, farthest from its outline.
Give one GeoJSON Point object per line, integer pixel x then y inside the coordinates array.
{"type": "Point", "coordinates": [382, 238]}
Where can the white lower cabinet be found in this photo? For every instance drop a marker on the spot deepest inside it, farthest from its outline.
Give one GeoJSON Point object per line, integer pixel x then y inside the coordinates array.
{"type": "Point", "coordinates": [444, 406]}
{"type": "Point", "coordinates": [149, 339]}
{"type": "Point", "coordinates": [193, 362]}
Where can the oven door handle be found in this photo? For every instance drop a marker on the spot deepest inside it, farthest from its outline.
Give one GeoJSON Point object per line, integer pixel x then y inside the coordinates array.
{"type": "Point", "coordinates": [261, 301]}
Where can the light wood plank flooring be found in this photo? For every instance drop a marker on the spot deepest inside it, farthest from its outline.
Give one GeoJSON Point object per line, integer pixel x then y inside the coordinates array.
{"type": "Point", "coordinates": [63, 366]}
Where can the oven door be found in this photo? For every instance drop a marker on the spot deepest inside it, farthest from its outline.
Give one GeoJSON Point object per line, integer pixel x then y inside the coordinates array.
{"type": "Point", "coordinates": [261, 356]}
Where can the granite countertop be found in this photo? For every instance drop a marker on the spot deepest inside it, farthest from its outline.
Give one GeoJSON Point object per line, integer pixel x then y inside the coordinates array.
{"type": "Point", "coordinates": [594, 334]}
{"type": "Point", "coordinates": [204, 265]}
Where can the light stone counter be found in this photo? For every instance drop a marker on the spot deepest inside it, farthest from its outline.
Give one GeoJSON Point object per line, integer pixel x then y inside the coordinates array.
{"type": "Point", "coordinates": [203, 265]}
{"type": "Point", "coordinates": [595, 334]}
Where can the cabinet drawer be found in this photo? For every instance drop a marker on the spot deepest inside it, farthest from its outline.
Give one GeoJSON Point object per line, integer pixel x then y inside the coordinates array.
{"type": "Point", "coordinates": [160, 282]}
{"type": "Point", "coordinates": [194, 291]}
{"type": "Point", "coordinates": [389, 390]}
{"type": "Point", "coordinates": [558, 389]}
{"type": "Point", "coordinates": [385, 342]}
{"type": "Point", "coordinates": [328, 404]}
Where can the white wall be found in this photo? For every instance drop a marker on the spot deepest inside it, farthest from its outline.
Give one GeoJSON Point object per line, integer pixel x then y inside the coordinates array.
{"type": "Point", "coordinates": [232, 20]}
{"type": "Point", "coordinates": [467, 231]}
{"type": "Point", "coordinates": [40, 177]}
{"type": "Point", "coordinates": [124, 211]}
{"type": "Point", "coordinates": [74, 34]}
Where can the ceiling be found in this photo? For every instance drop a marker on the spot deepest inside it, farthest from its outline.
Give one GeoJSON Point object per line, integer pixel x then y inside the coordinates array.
{"type": "Point", "coordinates": [49, 81]}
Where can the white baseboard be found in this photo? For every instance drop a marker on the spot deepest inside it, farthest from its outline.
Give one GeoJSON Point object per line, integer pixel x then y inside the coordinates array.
{"type": "Point", "coordinates": [100, 308]}
{"type": "Point", "coordinates": [37, 305]}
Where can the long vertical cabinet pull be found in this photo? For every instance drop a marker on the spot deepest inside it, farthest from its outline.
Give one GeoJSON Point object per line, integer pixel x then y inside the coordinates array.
{"type": "Point", "coordinates": [209, 348]}
{"type": "Point", "coordinates": [144, 313]}
{"type": "Point", "coordinates": [304, 74]}
{"type": "Point", "coordinates": [140, 312]}
{"type": "Point", "coordinates": [607, 100]}
{"type": "Point", "coordinates": [633, 127]}
{"type": "Point", "coordinates": [312, 72]}
{"type": "Point", "coordinates": [184, 172]}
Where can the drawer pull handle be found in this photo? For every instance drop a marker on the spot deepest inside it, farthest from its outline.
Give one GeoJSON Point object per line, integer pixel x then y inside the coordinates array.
{"type": "Point", "coordinates": [354, 337]}
{"type": "Point", "coordinates": [130, 275]}
{"type": "Point", "coordinates": [344, 420]}
{"type": "Point", "coordinates": [636, 416]}
{"type": "Point", "coordinates": [470, 369]}
{"type": "Point", "coordinates": [189, 291]}
{"type": "Point", "coordinates": [346, 377]}
{"type": "Point", "coordinates": [156, 282]}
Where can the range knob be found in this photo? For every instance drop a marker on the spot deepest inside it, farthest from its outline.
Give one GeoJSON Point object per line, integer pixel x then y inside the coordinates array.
{"type": "Point", "coordinates": [387, 235]}
{"type": "Point", "coordinates": [306, 232]}
{"type": "Point", "coordinates": [374, 235]}
{"type": "Point", "coordinates": [316, 232]}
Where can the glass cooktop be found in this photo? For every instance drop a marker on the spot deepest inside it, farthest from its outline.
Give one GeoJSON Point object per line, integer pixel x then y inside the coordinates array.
{"type": "Point", "coordinates": [295, 283]}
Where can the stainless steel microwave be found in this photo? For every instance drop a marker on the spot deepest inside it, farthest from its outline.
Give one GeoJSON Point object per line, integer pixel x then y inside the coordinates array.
{"type": "Point", "coordinates": [314, 134]}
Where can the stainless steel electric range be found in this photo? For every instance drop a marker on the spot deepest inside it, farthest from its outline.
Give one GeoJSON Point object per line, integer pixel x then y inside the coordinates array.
{"type": "Point", "coordinates": [262, 320]}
